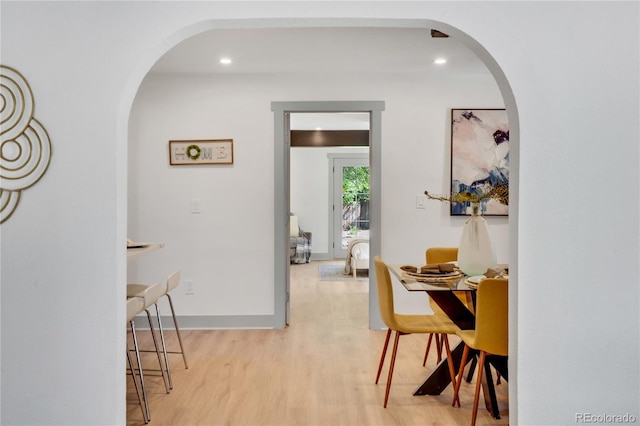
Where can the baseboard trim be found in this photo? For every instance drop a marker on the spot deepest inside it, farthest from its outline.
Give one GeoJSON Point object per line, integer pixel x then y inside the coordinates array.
{"type": "Point", "coordinates": [210, 322]}
{"type": "Point", "coordinates": [320, 256]}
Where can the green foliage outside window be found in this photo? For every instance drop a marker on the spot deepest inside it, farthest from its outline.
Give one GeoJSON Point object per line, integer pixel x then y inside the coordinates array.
{"type": "Point", "coordinates": [355, 185]}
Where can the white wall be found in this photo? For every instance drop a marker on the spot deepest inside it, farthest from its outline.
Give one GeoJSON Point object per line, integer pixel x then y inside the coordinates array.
{"type": "Point", "coordinates": [575, 333]}
{"type": "Point", "coordinates": [234, 229]}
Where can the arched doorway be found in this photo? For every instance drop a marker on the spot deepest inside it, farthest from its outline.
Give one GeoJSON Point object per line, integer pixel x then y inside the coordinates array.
{"type": "Point", "coordinates": [509, 101]}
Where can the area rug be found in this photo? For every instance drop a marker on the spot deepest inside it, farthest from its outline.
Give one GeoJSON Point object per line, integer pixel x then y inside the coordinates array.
{"type": "Point", "coordinates": [336, 273]}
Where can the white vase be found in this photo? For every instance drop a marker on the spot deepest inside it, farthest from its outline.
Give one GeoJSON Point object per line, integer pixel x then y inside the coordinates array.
{"type": "Point", "coordinates": [476, 253]}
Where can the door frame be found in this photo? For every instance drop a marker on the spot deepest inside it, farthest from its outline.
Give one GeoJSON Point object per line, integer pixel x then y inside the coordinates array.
{"type": "Point", "coordinates": [282, 145]}
{"type": "Point", "coordinates": [333, 205]}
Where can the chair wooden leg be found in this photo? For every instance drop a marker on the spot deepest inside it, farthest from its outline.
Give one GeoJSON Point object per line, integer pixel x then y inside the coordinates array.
{"type": "Point", "coordinates": [439, 346]}
{"type": "Point", "coordinates": [426, 352]}
{"type": "Point", "coordinates": [393, 362]}
{"type": "Point", "coordinates": [452, 369]}
{"type": "Point", "coordinates": [384, 353]}
{"type": "Point", "coordinates": [478, 386]}
{"type": "Point", "coordinates": [463, 361]}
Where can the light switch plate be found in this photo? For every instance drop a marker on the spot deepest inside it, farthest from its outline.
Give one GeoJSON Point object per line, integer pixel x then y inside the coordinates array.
{"type": "Point", "coordinates": [421, 201]}
{"type": "Point", "coordinates": [195, 206]}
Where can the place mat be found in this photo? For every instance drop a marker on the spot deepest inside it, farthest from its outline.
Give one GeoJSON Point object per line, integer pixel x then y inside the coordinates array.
{"type": "Point", "coordinates": [434, 269]}
{"type": "Point", "coordinates": [434, 278]}
{"type": "Point", "coordinates": [471, 284]}
{"type": "Point", "coordinates": [434, 274]}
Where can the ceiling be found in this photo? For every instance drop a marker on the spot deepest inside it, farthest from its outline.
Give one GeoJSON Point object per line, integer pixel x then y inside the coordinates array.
{"type": "Point", "coordinates": [319, 50]}
{"type": "Point", "coordinates": [282, 50]}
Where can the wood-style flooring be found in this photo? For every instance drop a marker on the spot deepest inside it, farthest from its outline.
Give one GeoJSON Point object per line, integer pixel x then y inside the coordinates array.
{"type": "Point", "coordinates": [320, 370]}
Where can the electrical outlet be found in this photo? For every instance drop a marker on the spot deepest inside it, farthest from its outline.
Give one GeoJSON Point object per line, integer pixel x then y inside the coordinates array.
{"type": "Point", "coordinates": [188, 287]}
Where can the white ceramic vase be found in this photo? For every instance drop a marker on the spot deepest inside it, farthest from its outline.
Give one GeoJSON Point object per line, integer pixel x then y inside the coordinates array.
{"type": "Point", "coordinates": [476, 253]}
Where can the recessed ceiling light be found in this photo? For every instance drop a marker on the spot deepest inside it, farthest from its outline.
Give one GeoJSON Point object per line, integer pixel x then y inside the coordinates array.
{"type": "Point", "coordinates": [318, 128]}
{"type": "Point", "coordinates": [225, 61]}
{"type": "Point", "coordinates": [440, 61]}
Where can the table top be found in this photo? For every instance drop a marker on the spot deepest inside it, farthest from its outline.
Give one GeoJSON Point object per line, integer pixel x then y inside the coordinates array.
{"type": "Point", "coordinates": [137, 249]}
{"type": "Point", "coordinates": [412, 284]}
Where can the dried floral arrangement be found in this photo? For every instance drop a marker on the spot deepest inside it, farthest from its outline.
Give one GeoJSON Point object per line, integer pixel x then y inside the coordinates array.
{"type": "Point", "coordinates": [498, 192]}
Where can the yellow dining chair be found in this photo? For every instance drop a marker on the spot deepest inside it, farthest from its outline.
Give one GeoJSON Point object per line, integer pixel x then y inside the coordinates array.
{"type": "Point", "coordinates": [441, 254]}
{"type": "Point", "coordinates": [491, 335]}
{"type": "Point", "coordinates": [435, 255]}
{"type": "Point", "coordinates": [405, 324]}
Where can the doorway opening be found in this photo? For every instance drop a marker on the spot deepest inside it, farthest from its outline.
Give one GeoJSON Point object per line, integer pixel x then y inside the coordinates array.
{"type": "Point", "coordinates": [283, 112]}
{"type": "Point", "coordinates": [349, 203]}
{"type": "Point", "coordinates": [329, 179]}
{"type": "Point", "coordinates": [329, 197]}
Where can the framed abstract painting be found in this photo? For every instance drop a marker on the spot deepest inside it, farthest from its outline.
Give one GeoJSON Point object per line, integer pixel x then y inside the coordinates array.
{"type": "Point", "coordinates": [479, 158]}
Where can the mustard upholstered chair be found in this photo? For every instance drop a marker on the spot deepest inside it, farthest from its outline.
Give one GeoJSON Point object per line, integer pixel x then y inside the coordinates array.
{"type": "Point", "coordinates": [491, 335]}
{"type": "Point", "coordinates": [441, 254]}
{"type": "Point", "coordinates": [434, 255]}
{"type": "Point", "coordinates": [405, 324]}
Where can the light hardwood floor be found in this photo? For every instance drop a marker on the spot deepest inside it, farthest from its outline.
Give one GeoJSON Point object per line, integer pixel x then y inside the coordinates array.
{"type": "Point", "coordinates": [320, 370]}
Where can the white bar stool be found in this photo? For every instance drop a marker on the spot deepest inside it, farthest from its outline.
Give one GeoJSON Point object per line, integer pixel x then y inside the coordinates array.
{"type": "Point", "coordinates": [172, 282]}
{"type": "Point", "coordinates": [135, 305]}
{"type": "Point", "coordinates": [150, 294]}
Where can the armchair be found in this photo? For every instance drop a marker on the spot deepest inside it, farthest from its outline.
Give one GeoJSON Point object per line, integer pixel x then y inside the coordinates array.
{"type": "Point", "coordinates": [299, 242]}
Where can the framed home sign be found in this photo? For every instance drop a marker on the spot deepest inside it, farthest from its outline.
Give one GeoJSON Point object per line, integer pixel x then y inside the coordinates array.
{"type": "Point", "coordinates": [479, 158]}
{"type": "Point", "coordinates": [201, 152]}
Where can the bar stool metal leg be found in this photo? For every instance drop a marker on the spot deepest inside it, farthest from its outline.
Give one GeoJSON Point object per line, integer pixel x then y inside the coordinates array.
{"type": "Point", "coordinates": [173, 281]}
{"type": "Point", "coordinates": [175, 322]}
{"type": "Point", "coordinates": [164, 348]}
{"type": "Point", "coordinates": [142, 390]}
{"type": "Point", "coordinates": [155, 343]}
{"type": "Point", "coordinates": [135, 306]}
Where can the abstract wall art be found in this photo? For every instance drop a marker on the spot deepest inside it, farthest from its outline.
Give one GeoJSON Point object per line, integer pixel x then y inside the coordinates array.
{"type": "Point", "coordinates": [479, 158]}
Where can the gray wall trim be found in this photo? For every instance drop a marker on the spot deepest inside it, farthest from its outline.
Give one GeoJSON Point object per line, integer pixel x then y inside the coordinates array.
{"type": "Point", "coordinates": [281, 214]}
{"type": "Point", "coordinates": [210, 322]}
{"type": "Point", "coordinates": [375, 213]}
